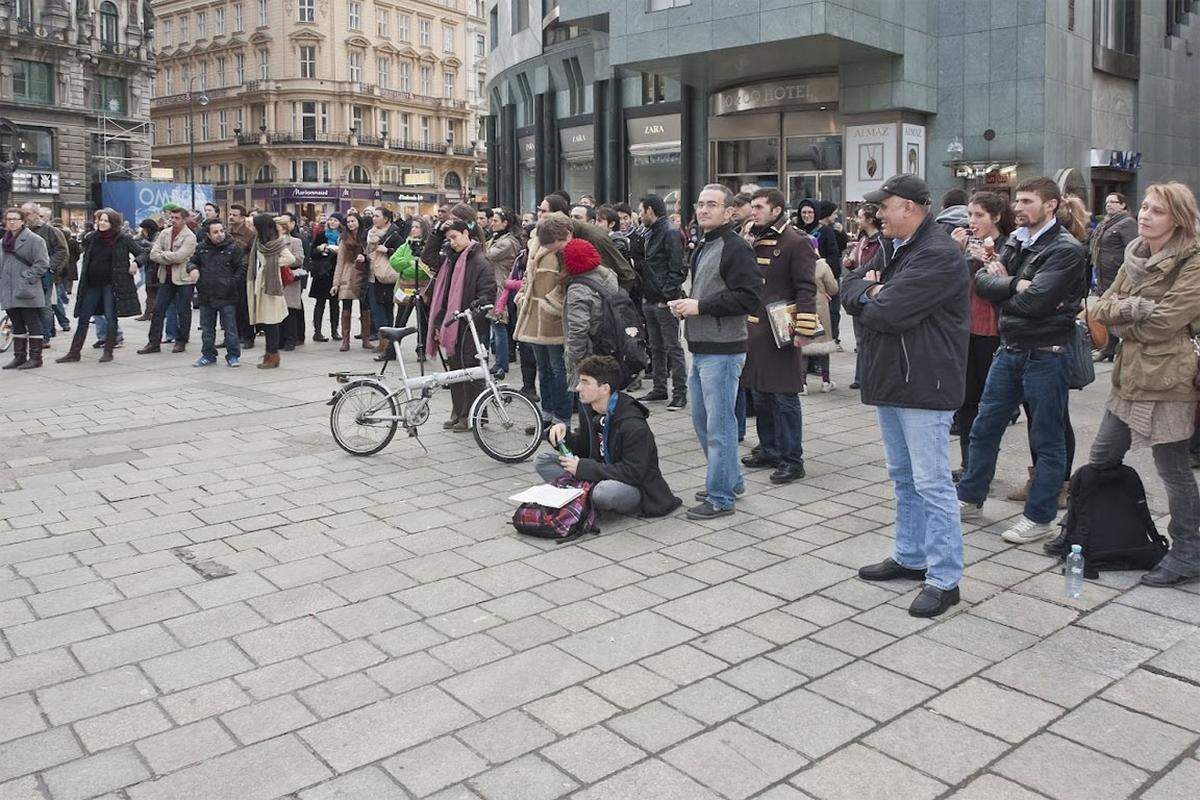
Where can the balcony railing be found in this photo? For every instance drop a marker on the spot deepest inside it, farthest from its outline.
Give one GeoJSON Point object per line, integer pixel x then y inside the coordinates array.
{"type": "Point", "coordinates": [252, 139]}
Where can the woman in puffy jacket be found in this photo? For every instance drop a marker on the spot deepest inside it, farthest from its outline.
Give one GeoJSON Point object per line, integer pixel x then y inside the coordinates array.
{"type": "Point", "coordinates": [1154, 305]}
{"type": "Point", "coordinates": [588, 283]}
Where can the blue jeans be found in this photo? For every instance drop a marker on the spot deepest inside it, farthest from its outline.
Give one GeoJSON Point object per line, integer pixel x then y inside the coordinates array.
{"type": "Point", "coordinates": [713, 386]}
{"type": "Point", "coordinates": [60, 306]}
{"type": "Point", "coordinates": [552, 380]}
{"type": "Point", "coordinates": [928, 529]}
{"type": "Point", "coordinates": [208, 331]}
{"type": "Point", "coordinates": [172, 326]}
{"type": "Point", "coordinates": [1038, 378]}
{"type": "Point", "coordinates": [174, 296]}
{"type": "Point", "coordinates": [102, 329]}
{"type": "Point", "coordinates": [98, 302]}
{"type": "Point", "coordinates": [500, 348]}
{"type": "Point", "coordinates": [780, 427]}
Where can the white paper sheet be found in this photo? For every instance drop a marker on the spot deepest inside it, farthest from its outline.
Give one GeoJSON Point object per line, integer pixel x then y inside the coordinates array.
{"type": "Point", "coordinates": [546, 495]}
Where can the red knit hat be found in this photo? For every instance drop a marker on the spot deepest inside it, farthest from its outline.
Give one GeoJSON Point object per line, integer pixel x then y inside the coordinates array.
{"type": "Point", "coordinates": [579, 256]}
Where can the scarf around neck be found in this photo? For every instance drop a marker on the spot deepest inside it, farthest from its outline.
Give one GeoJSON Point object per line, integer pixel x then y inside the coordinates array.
{"type": "Point", "coordinates": [268, 263]}
{"type": "Point", "coordinates": [10, 240]}
{"type": "Point", "coordinates": [1138, 259]}
{"type": "Point", "coordinates": [447, 304]}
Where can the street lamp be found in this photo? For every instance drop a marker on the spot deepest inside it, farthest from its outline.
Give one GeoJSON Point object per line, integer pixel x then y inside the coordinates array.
{"type": "Point", "coordinates": [192, 100]}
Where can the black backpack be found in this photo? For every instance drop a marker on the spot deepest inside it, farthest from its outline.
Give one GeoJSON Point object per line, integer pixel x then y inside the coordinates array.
{"type": "Point", "coordinates": [1108, 517]}
{"type": "Point", "coordinates": [622, 333]}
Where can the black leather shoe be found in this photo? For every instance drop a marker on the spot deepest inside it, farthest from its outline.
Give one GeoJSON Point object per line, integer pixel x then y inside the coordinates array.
{"type": "Point", "coordinates": [678, 403]}
{"type": "Point", "coordinates": [1160, 577]}
{"type": "Point", "coordinates": [757, 461]}
{"type": "Point", "coordinates": [933, 601]}
{"type": "Point", "coordinates": [653, 396]}
{"type": "Point", "coordinates": [1056, 546]}
{"type": "Point", "coordinates": [787, 474]}
{"type": "Point", "coordinates": [888, 570]}
{"type": "Point", "coordinates": [707, 510]}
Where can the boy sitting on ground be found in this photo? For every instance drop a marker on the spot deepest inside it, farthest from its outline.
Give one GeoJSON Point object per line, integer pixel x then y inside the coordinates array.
{"type": "Point", "coordinates": [613, 449]}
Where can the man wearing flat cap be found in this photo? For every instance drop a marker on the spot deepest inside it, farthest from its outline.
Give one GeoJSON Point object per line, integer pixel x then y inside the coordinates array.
{"type": "Point", "coordinates": [911, 303]}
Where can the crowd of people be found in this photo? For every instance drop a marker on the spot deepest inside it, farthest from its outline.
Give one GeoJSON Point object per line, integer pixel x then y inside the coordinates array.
{"type": "Point", "coordinates": [962, 318]}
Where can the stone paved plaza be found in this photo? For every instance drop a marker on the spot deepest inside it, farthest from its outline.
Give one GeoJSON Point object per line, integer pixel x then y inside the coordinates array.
{"type": "Point", "coordinates": [202, 597]}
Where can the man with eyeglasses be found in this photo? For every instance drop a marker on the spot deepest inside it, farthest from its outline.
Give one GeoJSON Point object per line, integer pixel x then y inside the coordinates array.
{"type": "Point", "coordinates": [726, 287]}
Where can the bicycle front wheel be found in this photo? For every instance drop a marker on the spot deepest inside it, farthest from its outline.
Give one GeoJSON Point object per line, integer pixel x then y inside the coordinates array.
{"type": "Point", "coordinates": [507, 425]}
{"type": "Point", "coordinates": [349, 418]}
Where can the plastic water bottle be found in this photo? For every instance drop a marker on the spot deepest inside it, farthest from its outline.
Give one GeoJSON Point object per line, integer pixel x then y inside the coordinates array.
{"type": "Point", "coordinates": [1073, 570]}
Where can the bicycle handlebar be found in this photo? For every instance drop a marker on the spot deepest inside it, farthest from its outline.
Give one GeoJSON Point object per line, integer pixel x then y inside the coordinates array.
{"type": "Point", "coordinates": [474, 309]}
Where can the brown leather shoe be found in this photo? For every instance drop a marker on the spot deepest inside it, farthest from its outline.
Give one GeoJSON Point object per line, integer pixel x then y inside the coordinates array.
{"type": "Point", "coordinates": [150, 348]}
{"type": "Point", "coordinates": [179, 347]}
{"type": "Point", "coordinates": [1021, 494]}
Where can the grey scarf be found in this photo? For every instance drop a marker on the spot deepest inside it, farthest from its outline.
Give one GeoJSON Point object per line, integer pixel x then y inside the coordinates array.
{"type": "Point", "coordinates": [269, 255]}
{"type": "Point", "coordinates": [1138, 260]}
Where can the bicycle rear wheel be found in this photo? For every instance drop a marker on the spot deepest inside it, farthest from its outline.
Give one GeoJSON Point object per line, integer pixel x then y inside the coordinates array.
{"type": "Point", "coordinates": [507, 425]}
{"type": "Point", "coordinates": [350, 430]}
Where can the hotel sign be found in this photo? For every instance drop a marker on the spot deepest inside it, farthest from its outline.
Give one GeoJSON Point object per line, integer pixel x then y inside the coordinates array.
{"type": "Point", "coordinates": [810, 91]}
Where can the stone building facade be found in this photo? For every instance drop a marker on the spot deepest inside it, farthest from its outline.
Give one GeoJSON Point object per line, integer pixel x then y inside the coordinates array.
{"type": "Point", "coordinates": [314, 106]}
{"type": "Point", "coordinates": [74, 99]}
{"type": "Point", "coordinates": [826, 98]}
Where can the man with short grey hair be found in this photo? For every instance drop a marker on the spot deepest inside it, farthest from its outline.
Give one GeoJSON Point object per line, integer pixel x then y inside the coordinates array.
{"type": "Point", "coordinates": [726, 287]}
{"type": "Point", "coordinates": [56, 247]}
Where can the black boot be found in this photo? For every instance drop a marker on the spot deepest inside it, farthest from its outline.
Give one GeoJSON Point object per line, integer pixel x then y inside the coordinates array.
{"type": "Point", "coordinates": [20, 352]}
{"type": "Point", "coordinates": [77, 342]}
{"type": "Point", "coordinates": [35, 353]}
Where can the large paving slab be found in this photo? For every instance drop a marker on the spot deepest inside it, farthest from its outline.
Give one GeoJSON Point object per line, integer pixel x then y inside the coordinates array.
{"type": "Point", "coordinates": [202, 597]}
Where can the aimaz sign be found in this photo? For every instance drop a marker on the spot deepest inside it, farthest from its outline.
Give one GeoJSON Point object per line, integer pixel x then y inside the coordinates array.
{"type": "Point", "coordinates": [814, 90]}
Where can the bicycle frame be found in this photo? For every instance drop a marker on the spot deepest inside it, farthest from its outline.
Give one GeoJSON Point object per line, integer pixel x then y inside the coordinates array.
{"type": "Point", "coordinates": [438, 380]}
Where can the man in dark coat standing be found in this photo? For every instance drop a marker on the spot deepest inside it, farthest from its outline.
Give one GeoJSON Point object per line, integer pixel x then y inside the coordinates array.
{"type": "Point", "coordinates": [219, 266]}
{"type": "Point", "coordinates": [911, 302]}
{"type": "Point", "coordinates": [1108, 244]}
{"type": "Point", "coordinates": [776, 374]}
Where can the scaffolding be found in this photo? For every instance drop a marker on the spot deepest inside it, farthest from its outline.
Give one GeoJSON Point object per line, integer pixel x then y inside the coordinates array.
{"type": "Point", "coordinates": [123, 165]}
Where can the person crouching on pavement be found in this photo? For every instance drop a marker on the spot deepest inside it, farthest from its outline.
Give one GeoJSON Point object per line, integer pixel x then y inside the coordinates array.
{"type": "Point", "coordinates": [911, 302]}
{"type": "Point", "coordinates": [614, 447]}
{"type": "Point", "coordinates": [219, 267]}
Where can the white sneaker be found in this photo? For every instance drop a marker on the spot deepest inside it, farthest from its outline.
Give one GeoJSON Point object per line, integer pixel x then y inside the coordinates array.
{"type": "Point", "coordinates": [828, 386]}
{"type": "Point", "coordinates": [969, 510]}
{"type": "Point", "coordinates": [804, 390]}
{"type": "Point", "coordinates": [1026, 530]}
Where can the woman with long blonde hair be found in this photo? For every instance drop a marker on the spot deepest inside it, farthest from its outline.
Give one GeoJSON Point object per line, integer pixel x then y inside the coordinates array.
{"type": "Point", "coordinates": [1154, 305]}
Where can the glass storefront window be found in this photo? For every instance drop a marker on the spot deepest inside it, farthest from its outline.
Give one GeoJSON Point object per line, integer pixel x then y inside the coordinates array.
{"type": "Point", "coordinates": [657, 173]}
{"type": "Point", "coordinates": [748, 162]}
{"type": "Point", "coordinates": [814, 153]}
{"type": "Point", "coordinates": [577, 176]}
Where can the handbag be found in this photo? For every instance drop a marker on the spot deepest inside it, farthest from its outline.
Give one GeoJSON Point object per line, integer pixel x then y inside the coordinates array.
{"type": "Point", "coordinates": [1098, 332]}
{"type": "Point", "coordinates": [1081, 371]}
{"type": "Point", "coordinates": [286, 276]}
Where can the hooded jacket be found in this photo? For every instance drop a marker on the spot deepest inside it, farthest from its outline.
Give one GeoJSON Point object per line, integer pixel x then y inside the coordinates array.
{"type": "Point", "coordinates": [632, 454]}
{"type": "Point", "coordinates": [584, 311]}
{"type": "Point", "coordinates": [222, 269]}
{"type": "Point", "coordinates": [952, 217]}
{"type": "Point", "coordinates": [915, 330]}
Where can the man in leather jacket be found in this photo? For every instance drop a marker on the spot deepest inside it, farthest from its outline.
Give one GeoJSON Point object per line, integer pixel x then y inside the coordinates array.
{"type": "Point", "coordinates": [1038, 281]}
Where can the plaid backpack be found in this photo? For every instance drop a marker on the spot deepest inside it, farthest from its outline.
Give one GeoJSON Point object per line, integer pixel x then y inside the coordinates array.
{"type": "Point", "coordinates": [564, 524]}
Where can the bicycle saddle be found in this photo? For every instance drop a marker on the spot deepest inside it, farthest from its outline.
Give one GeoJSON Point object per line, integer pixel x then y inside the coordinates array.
{"type": "Point", "coordinates": [396, 334]}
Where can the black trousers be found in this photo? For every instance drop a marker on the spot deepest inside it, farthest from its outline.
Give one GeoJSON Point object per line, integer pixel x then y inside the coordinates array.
{"type": "Point", "coordinates": [273, 335]}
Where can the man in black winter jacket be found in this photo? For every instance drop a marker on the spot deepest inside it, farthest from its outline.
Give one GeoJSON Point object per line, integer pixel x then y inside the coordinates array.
{"type": "Point", "coordinates": [219, 267]}
{"type": "Point", "coordinates": [1038, 282]}
{"type": "Point", "coordinates": [663, 271]}
{"type": "Point", "coordinates": [912, 307]}
{"type": "Point", "coordinates": [614, 448]}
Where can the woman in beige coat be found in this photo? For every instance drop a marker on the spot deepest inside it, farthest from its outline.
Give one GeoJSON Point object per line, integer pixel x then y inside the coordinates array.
{"type": "Point", "coordinates": [817, 351]}
{"type": "Point", "coordinates": [264, 284]}
{"type": "Point", "coordinates": [348, 279]}
{"type": "Point", "coordinates": [1154, 306]}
